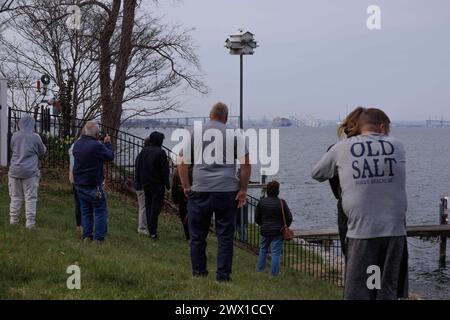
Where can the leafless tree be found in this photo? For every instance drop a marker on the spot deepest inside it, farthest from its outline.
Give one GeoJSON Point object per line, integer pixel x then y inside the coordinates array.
{"type": "Point", "coordinates": [38, 44]}
{"type": "Point", "coordinates": [142, 59]}
{"type": "Point", "coordinates": [10, 7]}
{"type": "Point", "coordinates": [7, 5]}
{"type": "Point", "coordinates": [118, 61]}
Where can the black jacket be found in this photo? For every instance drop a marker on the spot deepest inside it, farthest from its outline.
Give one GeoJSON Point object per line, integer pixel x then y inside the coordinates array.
{"type": "Point", "coordinates": [152, 168]}
{"type": "Point", "coordinates": [269, 217]}
{"type": "Point", "coordinates": [177, 187]}
{"type": "Point", "coordinates": [335, 183]}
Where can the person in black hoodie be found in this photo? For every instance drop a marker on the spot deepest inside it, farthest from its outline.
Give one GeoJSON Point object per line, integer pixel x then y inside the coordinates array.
{"type": "Point", "coordinates": [153, 175]}
{"type": "Point", "coordinates": [269, 218]}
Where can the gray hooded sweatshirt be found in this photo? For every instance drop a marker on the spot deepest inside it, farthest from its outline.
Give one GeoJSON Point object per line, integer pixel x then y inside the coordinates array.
{"type": "Point", "coordinates": [26, 147]}
{"type": "Point", "coordinates": [371, 170]}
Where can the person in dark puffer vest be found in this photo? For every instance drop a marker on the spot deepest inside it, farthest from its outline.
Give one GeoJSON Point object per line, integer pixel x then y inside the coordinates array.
{"type": "Point", "coordinates": [269, 218]}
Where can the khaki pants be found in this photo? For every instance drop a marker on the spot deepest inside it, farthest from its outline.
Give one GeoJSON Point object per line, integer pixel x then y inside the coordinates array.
{"type": "Point", "coordinates": [21, 190]}
{"type": "Point", "coordinates": [142, 215]}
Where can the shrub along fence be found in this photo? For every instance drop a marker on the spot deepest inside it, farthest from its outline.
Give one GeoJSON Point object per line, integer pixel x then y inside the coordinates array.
{"type": "Point", "coordinates": [319, 259]}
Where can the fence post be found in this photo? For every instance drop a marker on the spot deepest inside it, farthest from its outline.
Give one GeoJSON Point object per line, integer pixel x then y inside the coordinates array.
{"type": "Point", "coordinates": [3, 123]}
{"type": "Point", "coordinates": [444, 220]}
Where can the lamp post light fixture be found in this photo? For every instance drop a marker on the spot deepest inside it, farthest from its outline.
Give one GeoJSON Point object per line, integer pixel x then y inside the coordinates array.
{"type": "Point", "coordinates": [240, 44]}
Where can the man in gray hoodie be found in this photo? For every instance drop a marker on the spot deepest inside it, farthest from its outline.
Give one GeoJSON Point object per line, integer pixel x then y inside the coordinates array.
{"type": "Point", "coordinates": [24, 173]}
{"type": "Point", "coordinates": [371, 169]}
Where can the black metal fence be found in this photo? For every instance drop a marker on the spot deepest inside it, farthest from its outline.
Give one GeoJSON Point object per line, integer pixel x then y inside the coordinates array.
{"type": "Point", "coordinates": [319, 259]}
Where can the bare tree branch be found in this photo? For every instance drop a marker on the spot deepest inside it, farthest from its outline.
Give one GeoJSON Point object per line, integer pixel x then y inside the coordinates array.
{"type": "Point", "coordinates": [120, 58]}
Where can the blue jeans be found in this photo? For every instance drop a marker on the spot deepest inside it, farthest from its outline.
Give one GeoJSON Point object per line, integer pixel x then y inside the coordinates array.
{"type": "Point", "coordinates": [201, 206]}
{"type": "Point", "coordinates": [276, 245]}
{"type": "Point", "coordinates": [93, 212]}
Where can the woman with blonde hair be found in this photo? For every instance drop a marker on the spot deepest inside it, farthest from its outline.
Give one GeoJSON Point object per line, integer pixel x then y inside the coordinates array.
{"type": "Point", "coordinates": [348, 128]}
{"type": "Point", "coordinates": [372, 173]}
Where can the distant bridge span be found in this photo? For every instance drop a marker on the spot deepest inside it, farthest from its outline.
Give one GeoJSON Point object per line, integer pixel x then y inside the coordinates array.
{"type": "Point", "coordinates": [182, 121]}
{"type": "Point", "coordinates": [438, 123]}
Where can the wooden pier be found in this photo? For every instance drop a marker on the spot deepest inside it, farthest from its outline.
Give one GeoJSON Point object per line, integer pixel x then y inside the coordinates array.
{"type": "Point", "coordinates": [441, 231]}
{"type": "Point", "coordinates": [425, 231]}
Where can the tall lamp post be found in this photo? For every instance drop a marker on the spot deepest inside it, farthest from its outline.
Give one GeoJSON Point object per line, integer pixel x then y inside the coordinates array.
{"type": "Point", "coordinates": [240, 44]}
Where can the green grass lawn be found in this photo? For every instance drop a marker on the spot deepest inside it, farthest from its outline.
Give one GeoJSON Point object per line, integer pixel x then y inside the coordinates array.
{"type": "Point", "coordinates": [33, 263]}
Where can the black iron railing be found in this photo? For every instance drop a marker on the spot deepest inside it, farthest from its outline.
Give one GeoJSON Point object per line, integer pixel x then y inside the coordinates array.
{"type": "Point", "coordinates": [119, 174]}
{"type": "Point", "coordinates": [319, 259]}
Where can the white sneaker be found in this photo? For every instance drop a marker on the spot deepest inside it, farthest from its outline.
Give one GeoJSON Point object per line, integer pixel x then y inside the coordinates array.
{"type": "Point", "coordinates": [31, 227]}
{"type": "Point", "coordinates": [13, 222]}
{"type": "Point", "coordinates": [143, 232]}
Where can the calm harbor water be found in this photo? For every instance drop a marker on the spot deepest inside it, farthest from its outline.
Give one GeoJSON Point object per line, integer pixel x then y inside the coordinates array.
{"type": "Point", "coordinates": [428, 178]}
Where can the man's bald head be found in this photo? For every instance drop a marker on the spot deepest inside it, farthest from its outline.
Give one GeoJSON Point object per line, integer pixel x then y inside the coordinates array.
{"type": "Point", "coordinates": [91, 129]}
{"type": "Point", "coordinates": [219, 112]}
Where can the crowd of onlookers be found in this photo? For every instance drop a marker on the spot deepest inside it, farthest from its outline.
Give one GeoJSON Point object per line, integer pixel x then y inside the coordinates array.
{"type": "Point", "coordinates": [366, 169]}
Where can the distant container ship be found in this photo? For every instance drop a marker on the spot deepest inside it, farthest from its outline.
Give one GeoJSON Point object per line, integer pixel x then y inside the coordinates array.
{"type": "Point", "coordinates": [281, 122]}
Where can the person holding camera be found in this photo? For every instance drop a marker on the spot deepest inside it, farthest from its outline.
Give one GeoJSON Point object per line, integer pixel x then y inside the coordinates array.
{"type": "Point", "coordinates": [89, 156]}
{"type": "Point", "coordinates": [371, 168]}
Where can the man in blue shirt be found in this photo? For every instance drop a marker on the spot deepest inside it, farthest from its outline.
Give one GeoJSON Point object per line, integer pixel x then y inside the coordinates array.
{"type": "Point", "coordinates": [90, 154]}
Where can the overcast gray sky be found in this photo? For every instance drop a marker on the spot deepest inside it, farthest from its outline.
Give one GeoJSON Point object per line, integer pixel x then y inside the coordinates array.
{"type": "Point", "coordinates": [316, 56]}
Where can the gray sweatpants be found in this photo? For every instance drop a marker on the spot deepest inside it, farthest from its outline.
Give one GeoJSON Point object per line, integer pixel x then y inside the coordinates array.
{"type": "Point", "coordinates": [142, 214]}
{"type": "Point", "coordinates": [20, 191]}
{"type": "Point", "coordinates": [389, 255]}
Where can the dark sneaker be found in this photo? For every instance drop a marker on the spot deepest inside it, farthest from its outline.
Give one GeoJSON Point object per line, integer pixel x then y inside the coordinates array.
{"type": "Point", "coordinates": [200, 274]}
{"type": "Point", "coordinates": [154, 236]}
{"type": "Point", "coordinates": [223, 280]}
